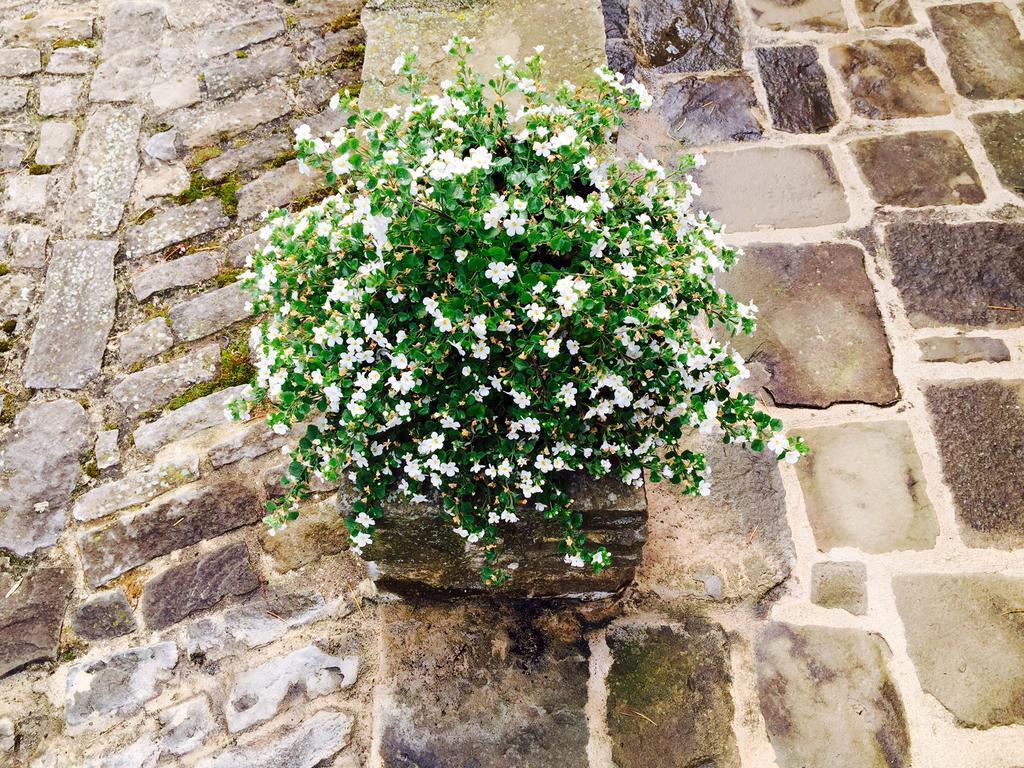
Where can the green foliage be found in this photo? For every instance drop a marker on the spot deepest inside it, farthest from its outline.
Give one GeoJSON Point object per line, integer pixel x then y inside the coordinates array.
{"type": "Point", "coordinates": [235, 368]}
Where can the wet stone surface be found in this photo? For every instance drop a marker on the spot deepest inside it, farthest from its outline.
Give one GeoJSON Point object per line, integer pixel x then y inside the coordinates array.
{"type": "Point", "coordinates": [798, 95]}
{"type": "Point", "coordinates": [31, 616]}
{"type": "Point", "coordinates": [685, 35]}
{"type": "Point", "coordinates": [710, 109]}
{"type": "Point", "coordinates": [963, 349]}
{"type": "Point", "coordinates": [1002, 135]}
{"type": "Point", "coordinates": [888, 79]}
{"type": "Point", "coordinates": [983, 47]}
{"type": "Point", "coordinates": [820, 15]}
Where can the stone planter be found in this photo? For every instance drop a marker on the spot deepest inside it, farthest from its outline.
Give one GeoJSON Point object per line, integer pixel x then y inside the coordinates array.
{"type": "Point", "coordinates": [416, 554]}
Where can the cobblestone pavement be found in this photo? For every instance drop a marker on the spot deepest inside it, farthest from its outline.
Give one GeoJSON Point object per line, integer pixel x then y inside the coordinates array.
{"type": "Point", "coordinates": [865, 608]}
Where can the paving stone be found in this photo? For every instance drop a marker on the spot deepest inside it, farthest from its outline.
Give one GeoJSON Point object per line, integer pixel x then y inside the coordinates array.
{"type": "Point", "coordinates": [48, 25]}
{"type": "Point", "coordinates": [266, 24]}
{"type": "Point", "coordinates": [319, 532]}
{"type": "Point", "coordinates": [773, 188]}
{"type": "Point", "coordinates": [246, 157]}
{"type": "Point", "coordinates": [156, 180]}
{"type": "Point", "coordinates": [132, 23]}
{"type": "Point", "coordinates": [19, 61]}
{"type": "Point", "coordinates": [840, 585]}
{"type": "Point", "coordinates": [253, 624]}
{"type": "Point", "coordinates": [143, 752]}
{"type": "Point", "coordinates": [685, 35]}
{"type": "Point", "coordinates": [175, 225]}
{"type": "Point", "coordinates": [185, 726]}
{"type": "Point", "coordinates": [136, 488]}
{"type": "Point", "coordinates": [103, 616]}
{"type": "Point", "coordinates": [797, 89]}
{"type": "Point", "coordinates": [27, 195]}
{"type": "Point", "coordinates": [203, 125]}
{"type": "Point", "coordinates": [257, 694]}
{"type": "Point", "coordinates": [76, 60]}
{"type": "Point", "coordinates": [6, 735]}
{"type": "Point", "coordinates": [39, 469]}
{"type": "Point", "coordinates": [1002, 135]}
{"type": "Point", "coordinates": [191, 587]}
{"type": "Point", "coordinates": [14, 145]}
{"type": "Point", "coordinates": [885, 13]}
{"type": "Point", "coordinates": [732, 116]}
{"type": "Point", "coordinates": [669, 699]}
{"type": "Point", "coordinates": [127, 75]}
{"type": "Point", "coordinates": [978, 426]}
{"type": "Point", "coordinates": [200, 414]}
{"type": "Point", "coordinates": [454, 666]}
{"type": "Point", "coordinates": [58, 97]}
{"type": "Point", "coordinates": [820, 15]}
{"type": "Point", "coordinates": [963, 349]}
{"type": "Point", "coordinates": [210, 311]}
{"type": "Point", "coordinates": [305, 744]}
{"type": "Point", "coordinates": [239, 251]}
{"type": "Point", "coordinates": [145, 340]}
{"type": "Point", "coordinates": [828, 699]}
{"type": "Point", "coordinates": [732, 545]}
{"type": "Point", "coordinates": [888, 79]}
{"type": "Point", "coordinates": [186, 270]}
{"type": "Point", "coordinates": [965, 635]}
{"type": "Point", "coordinates": [75, 317]}
{"type": "Point", "coordinates": [864, 487]}
{"type": "Point", "coordinates": [16, 293]}
{"type": "Point", "coordinates": [945, 279]}
{"type": "Point", "coordinates": [229, 74]}
{"type": "Point", "coordinates": [107, 453]}
{"type": "Point", "coordinates": [28, 246]}
{"type": "Point", "coordinates": [847, 358]}
{"type": "Point", "coordinates": [13, 96]}
{"type": "Point", "coordinates": [248, 442]}
{"type": "Point", "coordinates": [103, 173]}
{"type": "Point", "coordinates": [117, 685]}
{"type": "Point", "coordinates": [983, 47]}
{"type": "Point", "coordinates": [276, 188]}
{"type": "Point", "coordinates": [56, 140]}
{"type": "Point", "coordinates": [163, 145]}
{"type": "Point", "coordinates": [31, 615]}
{"type": "Point", "coordinates": [175, 93]}
{"type": "Point", "coordinates": [189, 515]}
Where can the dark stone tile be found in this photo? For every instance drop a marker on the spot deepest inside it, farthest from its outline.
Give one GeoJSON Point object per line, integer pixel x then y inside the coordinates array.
{"type": "Point", "coordinates": [797, 91]}
{"type": "Point", "coordinates": [616, 17]}
{"type": "Point", "coordinates": [185, 589]}
{"type": "Point", "coordinates": [31, 616]}
{"type": "Point", "coordinates": [885, 13]}
{"type": "Point", "coordinates": [621, 57]}
{"type": "Point", "coordinates": [105, 615]}
{"type": "Point", "coordinates": [474, 685]}
{"type": "Point", "coordinates": [918, 169]}
{"type": "Point", "coordinates": [846, 358]}
{"type": "Point", "coordinates": [983, 47]}
{"type": "Point", "coordinates": [788, 15]}
{"type": "Point", "coordinates": [1002, 135]}
{"type": "Point", "coordinates": [888, 78]}
{"type": "Point", "coordinates": [711, 109]}
{"type": "Point", "coordinates": [963, 349]}
{"type": "Point", "coordinates": [685, 35]}
{"type": "Point", "coordinates": [979, 426]}
{"type": "Point", "coordinates": [669, 697]}
{"type": "Point", "coordinates": [945, 278]}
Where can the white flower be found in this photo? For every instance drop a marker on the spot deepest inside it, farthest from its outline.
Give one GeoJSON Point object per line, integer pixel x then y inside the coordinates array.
{"type": "Point", "coordinates": [365, 520]}
{"type": "Point", "coordinates": [514, 225]}
{"type": "Point", "coordinates": [535, 312]}
{"type": "Point", "coordinates": [303, 132]}
{"type": "Point", "coordinates": [499, 272]}
{"type": "Point", "coordinates": [390, 156]}
{"type": "Point", "coordinates": [398, 64]}
{"type": "Point", "coordinates": [431, 444]}
{"type": "Point", "coordinates": [778, 443]}
{"type": "Point", "coordinates": [567, 393]}
{"type": "Point", "coordinates": [552, 347]}
{"type": "Point", "coordinates": [659, 311]}
{"type": "Point", "coordinates": [460, 255]}
{"type": "Point", "coordinates": [575, 561]}
{"type": "Point", "coordinates": [334, 102]}
{"type": "Point", "coordinates": [627, 270]}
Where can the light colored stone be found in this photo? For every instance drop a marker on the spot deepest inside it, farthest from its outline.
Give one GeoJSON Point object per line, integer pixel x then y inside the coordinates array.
{"type": "Point", "coordinates": [56, 140]}
{"type": "Point", "coordinates": [186, 270]}
{"type": "Point", "coordinates": [151, 388]}
{"type": "Point", "coordinates": [64, 23]}
{"type": "Point", "coordinates": [194, 417]}
{"type": "Point", "coordinates": [257, 694]}
{"type": "Point", "coordinates": [822, 15]}
{"type": "Point", "coordinates": [141, 753]}
{"type": "Point", "coordinates": [162, 145]}
{"type": "Point", "coordinates": [59, 97]}
{"type": "Point", "coordinates": [210, 311]}
{"type": "Point", "coordinates": [305, 744]}
{"type": "Point", "coordinates": [840, 585]}
{"type": "Point", "coordinates": [963, 349]}
{"type": "Point", "coordinates": [248, 156]}
{"type": "Point", "coordinates": [184, 726]}
{"type": "Point", "coordinates": [13, 96]}
{"type": "Point", "coordinates": [107, 453]}
{"type": "Point", "coordinates": [174, 225]}
{"type": "Point", "coordinates": [275, 188]}
{"type": "Point", "coordinates": [15, 295]}
{"type": "Point", "coordinates": [136, 488]}
{"type": "Point", "coordinates": [864, 487]}
{"type": "Point", "coordinates": [248, 442]}
{"type": "Point", "coordinates": [19, 61]}
{"type": "Point", "coordinates": [203, 125]}
{"type": "Point", "coordinates": [28, 246]}
{"type": "Point", "coordinates": [13, 148]}
{"type": "Point", "coordinates": [319, 532]}
{"type": "Point", "coordinates": [27, 195]}
{"type": "Point", "coordinates": [76, 60]}
{"type": "Point", "coordinates": [157, 180]}
{"type": "Point", "coordinates": [145, 340]}
{"type": "Point", "coordinates": [76, 315]}
{"type": "Point", "coordinates": [266, 24]}
{"type": "Point", "coordinates": [175, 93]}
{"type": "Point", "coordinates": [229, 74]}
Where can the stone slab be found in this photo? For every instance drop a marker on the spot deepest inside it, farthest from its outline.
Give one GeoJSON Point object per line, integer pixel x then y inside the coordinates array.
{"type": "Point", "coordinates": [840, 585]}
{"type": "Point", "coordinates": [709, 109]}
{"type": "Point", "coordinates": [685, 36]}
{"type": "Point", "coordinates": [240, 32]}
{"type": "Point", "coordinates": [210, 312]}
{"type": "Point", "coordinates": [983, 47]}
{"type": "Point", "coordinates": [888, 79]}
{"type": "Point", "coordinates": [885, 13]}
{"type": "Point", "coordinates": [135, 488]}
{"type": "Point", "coordinates": [150, 338]}
{"type": "Point", "coordinates": [177, 273]}
{"type": "Point", "coordinates": [174, 225]}
{"type": "Point", "coordinates": [230, 74]}
{"type": "Point", "coordinates": [31, 615]}
{"type": "Point", "coordinates": [305, 744]}
{"type": "Point", "coordinates": [963, 349]}
{"type": "Point", "coordinates": [185, 726]}
{"type": "Point", "coordinates": [194, 417]}
{"type": "Point", "coordinates": [205, 124]}
{"type": "Point", "coordinates": [797, 89]}
{"type": "Point", "coordinates": [276, 188]}
{"type": "Point", "coordinates": [106, 615]}
{"type": "Point", "coordinates": [818, 15]}
{"type": "Point", "coordinates": [151, 388]}
{"type": "Point", "coordinates": [56, 139]}
{"type": "Point", "coordinates": [1001, 134]}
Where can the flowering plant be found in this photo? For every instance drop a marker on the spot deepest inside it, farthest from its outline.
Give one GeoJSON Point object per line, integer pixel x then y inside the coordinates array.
{"type": "Point", "coordinates": [491, 299]}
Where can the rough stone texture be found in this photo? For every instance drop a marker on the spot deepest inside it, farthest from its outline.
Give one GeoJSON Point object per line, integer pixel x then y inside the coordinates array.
{"type": "Point", "coordinates": [823, 15]}
{"type": "Point", "coordinates": [186, 589]}
{"type": "Point", "coordinates": [258, 693]}
{"type": "Point", "coordinates": [963, 349]}
{"type": "Point", "coordinates": [189, 515]}
{"type": "Point", "coordinates": [56, 139]}
{"type": "Point", "coordinates": [15, 295]}
{"type": "Point", "coordinates": [669, 700]}
{"type": "Point", "coordinates": [188, 420]}
{"type": "Point", "coordinates": [847, 359]}
{"type": "Point", "coordinates": [306, 744]}
{"type": "Point", "coordinates": [320, 531]}
{"type": "Point", "coordinates": [31, 615]}
{"type": "Point", "coordinates": [240, 33]}
{"type": "Point", "coordinates": [151, 388]}
{"type": "Point", "coordinates": [764, 188]}
{"type": "Point", "coordinates": [983, 47]}
{"type": "Point", "coordinates": [185, 726]}
{"type": "Point", "coordinates": [27, 196]}
{"type": "Point", "coordinates": [39, 469]}
{"type": "Point", "coordinates": [916, 169]}
{"type": "Point", "coordinates": [19, 61]}
{"type": "Point", "coordinates": [965, 635]}
{"type": "Point", "coordinates": [105, 615]}
{"type": "Point", "coordinates": [710, 109]}
{"type": "Point", "coordinates": [203, 125]}
{"type": "Point", "coordinates": [106, 450]}
{"type": "Point", "coordinates": [888, 79]}
{"type": "Point", "coordinates": [685, 35]}
{"type": "Point", "coordinates": [210, 312]}
{"type": "Point", "coordinates": [945, 279]}
{"type": "Point", "coordinates": [250, 441]}
{"type": "Point", "coordinates": [275, 188]}
{"type": "Point", "coordinates": [174, 225]}
{"type": "Point", "coordinates": [416, 556]}
{"type": "Point", "coordinates": [864, 487]}
{"type": "Point", "coordinates": [798, 95]}
{"type": "Point", "coordinates": [978, 426]}
{"type": "Point", "coordinates": [454, 666]}
{"type": "Point", "coordinates": [103, 173]}
{"type": "Point", "coordinates": [13, 96]}
{"type": "Point", "coordinates": [119, 684]}
{"type": "Point", "coordinates": [76, 60]}
{"type": "Point", "coordinates": [187, 270]}
{"type": "Point", "coordinates": [230, 74]}
{"type": "Point", "coordinates": [732, 545]}
{"type": "Point", "coordinates": [1002, 134]}
{"type": "Point", "coordinates": [885, 13]}
{"type": "Point", "coordinates": [810, 679]}
{"type": "Point", "coordinates": [58, 97]}
{"type": "Point", "coordinates": [135, 488]}
{"type": "Point", "coordinates": [145, 340]}
{"type": "Point", "coordinates": [840, 585]}
{"type": "Point", "coordinates": [248, 156]}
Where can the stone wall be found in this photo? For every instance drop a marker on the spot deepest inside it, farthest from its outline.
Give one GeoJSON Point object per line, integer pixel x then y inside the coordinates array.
{"type": "Point", "coordinates": [861, 609]}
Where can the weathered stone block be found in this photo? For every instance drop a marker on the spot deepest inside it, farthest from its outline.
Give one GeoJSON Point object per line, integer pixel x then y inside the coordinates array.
{"type": "Point", "coordinates": [275, 188]}
{"type": "Point", "coordinates": [685, 35]}
{"type": "Point", "coordinates": [151, 388]}
{"type": "Point", "coordinates": [797, 89]}
{"type": "Point", "coordinates": [983, 47]}
{"type": "Point", "coordinates": [265, 24]}
{"type": "Point", "coordinates": [683, 105]}
{"type": "Point", "coordinates": [821, 15]}
{"type": "Point", "coordinates": [210, 312]}
{"type": "Point", "coordinates": [963, 349]}
{"type": "Point", "coordinates": [840, 585]}
{"type": "Point", "coordinates": [136, 488]}
{"type": "Point", "coordinates": [307, 744]}
{"type": "Point", "coordinates": [15, 62]}
{"type": "Point", "coordinates": [145, 340]}
{"type": "Point", "coordinates": [105, 615]}
{"type": "Point", "coordinates": [188, 420]}
{"type": "Point", "coordinates": [185, 726]}
{"type": "Point", "coordinates": [174, 225]}
{"type": "Point", "coordinates": [203, 124]}
{"type": "Point", "coordinates": [1001, 135]}
{"type": "Point", "coordinates": [885, 13]}
{"type": "Point", "coordinates": [31, 616]}
{"type": "Point", "coordinates": [888, 79]}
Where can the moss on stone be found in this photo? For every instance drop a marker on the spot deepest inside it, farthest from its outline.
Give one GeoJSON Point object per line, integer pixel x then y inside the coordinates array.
{"type": "Point", "coordinates": [4, 269]}
{"type": "Point", "coordinates": [234, 369]}
{"type": "Point", "coordinates": [241, 54]}
{"type": "Point", "coordinates": [202, 154]}
{"type": "Point", "coordinates": [66, 43]}
{"type": "Point", "coordinates": [346, 20]}
{"type": "Point", "coordinates": [200, 187]}
{"type": "Point", "coordinates": [8, 326]}
{"type": "Point", "coordinates": [35, 169]}
{"type": "Point", "coordinates": [227, 277]}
